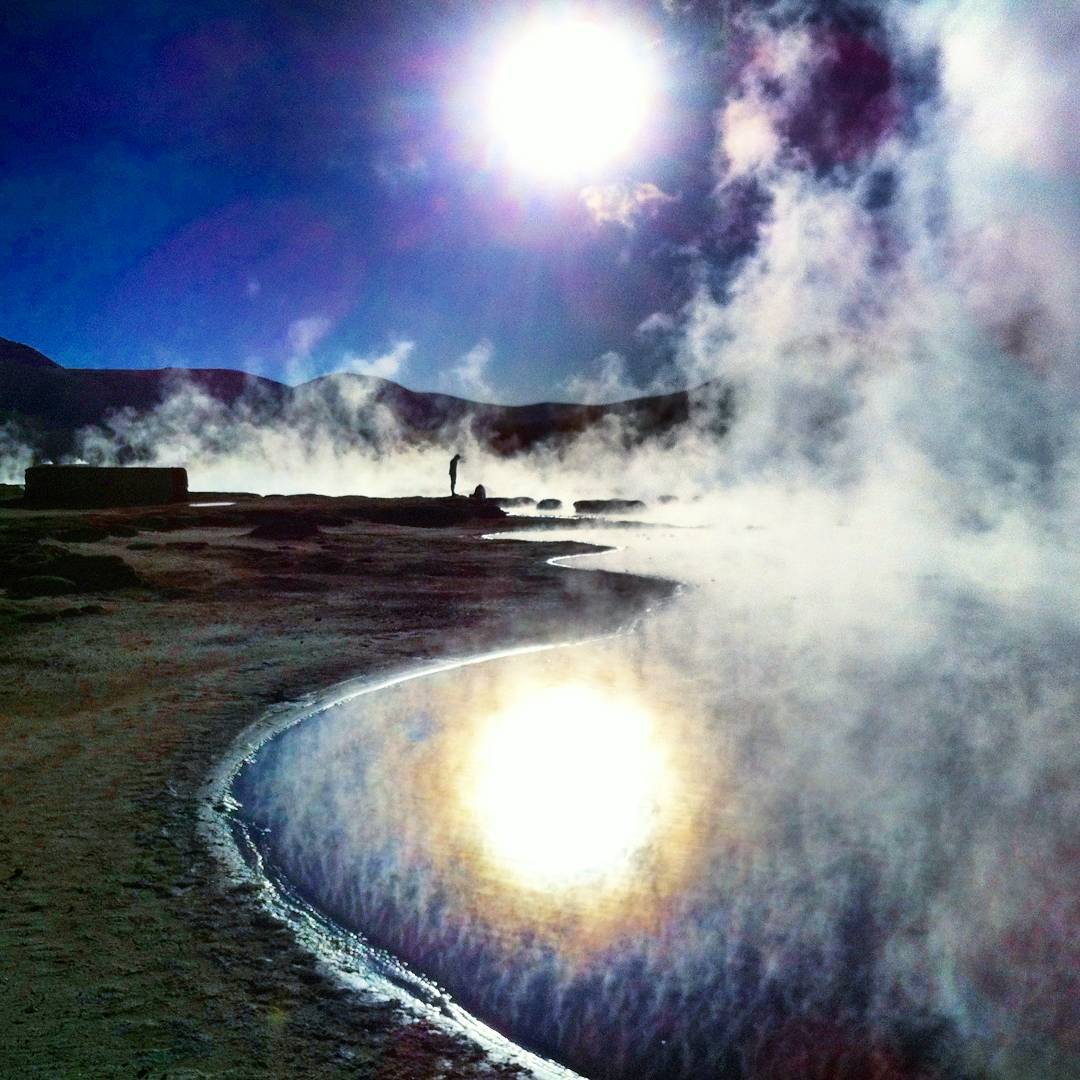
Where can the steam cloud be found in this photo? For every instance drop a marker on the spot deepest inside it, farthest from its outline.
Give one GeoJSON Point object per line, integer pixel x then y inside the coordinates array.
{"type": "Point", "coordinates": [885, 612]}
{"type": "Point", "coordinates": [885, 615]}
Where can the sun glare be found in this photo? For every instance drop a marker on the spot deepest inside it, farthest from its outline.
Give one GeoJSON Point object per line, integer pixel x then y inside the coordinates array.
{"type": "Point", "coordinates": [565, 786]}
{"type": "Point", "coordinates": [569, 96]}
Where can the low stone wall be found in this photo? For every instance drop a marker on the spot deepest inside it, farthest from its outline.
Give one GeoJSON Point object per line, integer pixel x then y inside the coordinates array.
{"type": "Point", "coordinates": [87, 487]}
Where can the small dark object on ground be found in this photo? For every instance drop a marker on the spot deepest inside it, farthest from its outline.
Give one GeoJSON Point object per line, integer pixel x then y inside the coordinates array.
{"type": "Point", "coordinates": [607, 506]}
{"type": "Point", "coordinates": [38, 616]}
{"type": "Point", "coordinates": [479, 492]}
{"type": "Point", "coordinates": [46, 570]}
{"type": "Point", "coordinates": [82, 534]}
{"type": "Point", "coordinates": [153, 523]}
{"type": "Point", "coordinates": [94, 573]}
{"type": "Point", "coordinates": [286, 528]}
{"type": "Point", "coordinates": [324, 563]}
{"type": "Point", "coordinates": [26, 562]}
{"type": "Point", "coordinates": [87, 486]}
{"type": "Point", "coordinates": [41, 585]}
{"type": "Point", "coordinates": [549, 504]}
{"type": "Point", "coordinates": [63, 613]}
{"type": "Point", "coordinates": [511, 503]}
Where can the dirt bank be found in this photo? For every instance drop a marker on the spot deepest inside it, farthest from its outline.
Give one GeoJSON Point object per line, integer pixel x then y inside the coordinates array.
{"type": "Point", "coordinates": [122, 951]}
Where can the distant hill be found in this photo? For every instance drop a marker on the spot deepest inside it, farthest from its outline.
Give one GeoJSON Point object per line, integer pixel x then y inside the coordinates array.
{"type": "Point", "coordinates": [51, 404]}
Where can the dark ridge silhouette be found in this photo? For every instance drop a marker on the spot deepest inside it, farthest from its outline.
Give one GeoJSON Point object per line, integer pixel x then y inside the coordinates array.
{"type": "Point", "coordinates": [51, 403]}
{"type": "Point", "coordinates": [23, 356]}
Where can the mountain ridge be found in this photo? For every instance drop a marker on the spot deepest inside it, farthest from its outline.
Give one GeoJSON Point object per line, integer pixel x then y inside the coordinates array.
{"type": "Point", "coordinates": [53, 404]}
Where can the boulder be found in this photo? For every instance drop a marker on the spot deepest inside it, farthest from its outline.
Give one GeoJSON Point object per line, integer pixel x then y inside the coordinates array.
{"type": "Point", "coordinates": [286, 528]}
{"type": "Point", "coordinates": [83, 534]}
{"type": "Point", "coordinates": [513, 503]}
{"type": "Point", "coordinates": [45, 570]}
{"type": "Point", "coordinates": [549, 504]}
{"type": "Point", "coordinates": [94, 573]}
{"type": "Point", "coordinates": [420, 513]}
{"type": "Point", "coordinates": [607, 506]}
{"type": "Point", "coordinates": [41, 585]}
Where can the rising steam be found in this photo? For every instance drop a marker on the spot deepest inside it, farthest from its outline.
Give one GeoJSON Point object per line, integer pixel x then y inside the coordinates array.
{"type": "Point", "coordinates": [874, 672]}
{"type": "Point", "coordinates": [873, 675]}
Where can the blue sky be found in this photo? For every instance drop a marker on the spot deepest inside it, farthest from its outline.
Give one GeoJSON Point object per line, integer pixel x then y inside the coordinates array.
{"type": "Point", "coordinates": [189, 184]}
{"type": "Point", "coordinates": [295, 188]}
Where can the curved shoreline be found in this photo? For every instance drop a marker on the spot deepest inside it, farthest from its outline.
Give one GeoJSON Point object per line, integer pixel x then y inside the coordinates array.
{"type": "Point", "coordinates": [344, 955]}
{"type": "Point", "coordinates": [124, 948]}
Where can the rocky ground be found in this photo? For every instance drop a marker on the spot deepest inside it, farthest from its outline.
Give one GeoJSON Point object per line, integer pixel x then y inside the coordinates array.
{"type": "Point", "coordinates": [134, 646]}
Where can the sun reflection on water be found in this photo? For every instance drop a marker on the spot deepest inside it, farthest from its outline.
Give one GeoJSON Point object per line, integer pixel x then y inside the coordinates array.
{"type": "Point", "coordinates": [566, 785]}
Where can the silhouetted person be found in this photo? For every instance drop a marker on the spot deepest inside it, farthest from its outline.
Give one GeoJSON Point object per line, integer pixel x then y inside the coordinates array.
{"type": "Point", "coordinates": [453, 473]}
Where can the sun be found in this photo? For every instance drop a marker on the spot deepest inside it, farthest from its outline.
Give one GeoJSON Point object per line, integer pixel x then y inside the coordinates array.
{"type": "Point", "coordinates": [566, 785]}
{"type": "Point", "coordinates": [569, 96]}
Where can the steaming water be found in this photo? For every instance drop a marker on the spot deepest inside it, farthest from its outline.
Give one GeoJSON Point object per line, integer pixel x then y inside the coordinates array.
{"type": "Point", "coordinates": [854, 856]}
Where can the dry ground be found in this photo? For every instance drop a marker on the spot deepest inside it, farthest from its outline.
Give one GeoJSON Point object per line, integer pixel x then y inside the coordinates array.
{"type": "Point", "coordinates": [123, 951]}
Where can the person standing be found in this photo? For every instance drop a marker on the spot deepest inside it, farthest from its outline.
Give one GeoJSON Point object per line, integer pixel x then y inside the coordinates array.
{"type": "Point", "coordinates": [453, 474]}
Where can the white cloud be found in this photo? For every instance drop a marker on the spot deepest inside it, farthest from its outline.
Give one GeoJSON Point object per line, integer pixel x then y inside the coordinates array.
{"type": "Point", "coordinates": [1009, 73]}
{"type": "Point", "coordinates": [748, 125]}
{"type": "Point", "coordinates": [468, 376]}
{"type": "Point", "coordinates": [387, 365]}
{"type": "Point", "coordinates": [622, 204]}
{"type": "Point", "coordinates": [304, 334]}
{"type": "Point", "coordinates": [748, 134]}
{"type": "Point", "coordinates": [605, 381]}
{"type": "Point", "coordinates": [301, 337]}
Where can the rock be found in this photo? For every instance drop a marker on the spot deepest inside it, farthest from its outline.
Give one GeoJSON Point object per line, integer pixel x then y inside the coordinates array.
{"type": "Point", "coordinates": [549, 504]}
{"type": "Point", "coordinates": [41, 585]}
{"type": "Point", "coordinates": [82, 609]}
{"type": "Point", "coordinates": [607, 506]}
{"type": "Point", "coordinates": [324, 563]}
{"type": "Point", "coordinates": [512, 503]}
{"type": "Point", "coordinates": [426, 513]}
{"type": "Point", "coordinates": [37, 572]}
{"type": "Point", "coordinates": [38, 616]}
{"type": "Point", "coordinates": [24, 563]}
{"type": "Point", "coordinates": [95, 573]}
{"type": "Point", "coordinates": [665, 499]}
{"type": "Point", "coordinates": [220, 521]}
{"type": "Point", "coordinates": [286, 528]}
{"type": "Point", "coordinates": [82, 534]}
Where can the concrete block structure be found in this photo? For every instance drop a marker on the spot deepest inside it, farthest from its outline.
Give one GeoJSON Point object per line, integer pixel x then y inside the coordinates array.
{"type": "Point", "coordinates": [84, 487]}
